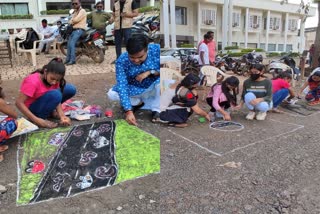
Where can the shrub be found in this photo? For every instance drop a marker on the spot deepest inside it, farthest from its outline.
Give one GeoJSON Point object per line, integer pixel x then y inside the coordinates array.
{"type": "Point", "coordinates": [27, 16]}
{"type": "Point", "coordinates": [235, 54]}
{"type": "Point", "coordinates": [50, 12]}
{"type": "Point", "coordinates": [273, 54]}
{"type": "Point", "coordinates": [148, 9]}
{"type": "Point", "coordinates": [294, 54]}
{"type": "Point", "coordinates": [231, 47]}
{"type": "Point", "coordinates": [186, 46]}
{"type": "Point", "coordinates": [248, 50]}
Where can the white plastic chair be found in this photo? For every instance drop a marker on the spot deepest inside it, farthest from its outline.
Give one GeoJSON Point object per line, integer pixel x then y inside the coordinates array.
{"type": "Point", "coordinates": [167, 76]}
{"type": "Point", "coordinates": [173, 65]}
{"type": "Point", "coordinates": [30, 52]}
{"type": "Point", "coordinates": [210, 74]}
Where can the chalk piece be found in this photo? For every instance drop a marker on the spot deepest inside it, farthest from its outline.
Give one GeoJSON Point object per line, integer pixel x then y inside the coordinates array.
{"type": "Point", "coordinates": [202, 119]}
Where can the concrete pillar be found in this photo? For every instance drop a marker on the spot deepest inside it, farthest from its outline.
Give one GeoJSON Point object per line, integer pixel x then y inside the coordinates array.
{"type": "Point", "coordinates": [173, 23]}
{"type": "Point", "coordinates": [107, 5]}
{"type": "Point", "coordinates": [165, 16]}
{"type": "Point", "coordinates": [302, 38]}
{"type": "Point", "coordinates": [225, 24]}
{"type": "Point", "coordinates": [286, 26]}
{"type": "Point", "coordinates": [230, 23]}
{"type": "Point", "coordinates": [199, 23]}
{"type": "Point", "coordinates": [267, 30]}
{"type": "Point", "coordinates": [246, 28]}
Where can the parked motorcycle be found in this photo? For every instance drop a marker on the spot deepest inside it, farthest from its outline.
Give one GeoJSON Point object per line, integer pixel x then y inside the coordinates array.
{"type": "Point", "coordinates": [243, 65]}
{"type": "Point", "coordinates": [285, 64]}
{"type": "Point", "coordinates": [150, 27]}
{"type": "Point", "coordinates": [189, 64]}
{"type": "Point", "coordinates": [225, 63]}
{"type": "Point", "coordinates": [91, 43]}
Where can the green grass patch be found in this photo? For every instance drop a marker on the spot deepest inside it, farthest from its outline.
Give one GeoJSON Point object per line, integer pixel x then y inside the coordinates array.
{"type": "Point", "coordinates": [137, 152]}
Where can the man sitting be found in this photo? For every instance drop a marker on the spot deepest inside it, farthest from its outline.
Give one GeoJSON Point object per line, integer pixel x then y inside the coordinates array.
{"type": "Point", "coordinates": [49, 38]}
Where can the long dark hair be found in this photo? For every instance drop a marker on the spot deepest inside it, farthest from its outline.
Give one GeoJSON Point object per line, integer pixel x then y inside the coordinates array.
{"type": "Point", "coordinates": [55, 66]}
{"type": "Point", "coordinates": [232, 81]}
{"type": "Point", "coordinates": [283, 75]}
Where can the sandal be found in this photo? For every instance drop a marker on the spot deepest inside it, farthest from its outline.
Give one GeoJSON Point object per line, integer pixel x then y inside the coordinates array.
{"type": "Point", "coordinates": [155, 117]}
{"type": "Point", "coordinates": [313, 103]}
{"type": "Point", "coordinates": [4, 148]}
{"type": "Point", "coordinates": [1, 158]}
{"type": "Point", "coordinates": [275, 110]}
{"type": "Point", "coordinates": [178, 125]}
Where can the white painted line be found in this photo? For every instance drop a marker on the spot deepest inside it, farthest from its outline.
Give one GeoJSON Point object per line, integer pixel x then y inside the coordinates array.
{"type": "Point", "coordinates": [208, 150]}
{"type": "Point", "coordinates": [69, 191]}
{"type": "Point", "coordinates": [261, 141]}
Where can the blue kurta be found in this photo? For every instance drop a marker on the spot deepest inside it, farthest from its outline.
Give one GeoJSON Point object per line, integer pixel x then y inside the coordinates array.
{"type": "Point", "coordinates": [126, 72]}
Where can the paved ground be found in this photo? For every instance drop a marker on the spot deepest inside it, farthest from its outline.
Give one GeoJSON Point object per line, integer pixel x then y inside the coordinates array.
{"type": "Point", "coordinates": [278, 163]}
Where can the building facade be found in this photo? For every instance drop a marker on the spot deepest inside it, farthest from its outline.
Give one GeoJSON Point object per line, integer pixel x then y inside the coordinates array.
{"type": "Point", "coordinates": [262, 24]}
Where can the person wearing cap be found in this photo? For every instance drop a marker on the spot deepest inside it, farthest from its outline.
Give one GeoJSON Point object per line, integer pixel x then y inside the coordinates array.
{"type": "Point", "coordinates": [179, 101]}
{"type": "Point", "coordinates": [138, 78]}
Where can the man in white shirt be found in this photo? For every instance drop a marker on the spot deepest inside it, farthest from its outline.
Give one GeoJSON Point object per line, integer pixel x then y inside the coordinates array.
{"type": "Point", "coordinates": [46, 42]}
{"type": "Point", "coordinates": [204, 51]}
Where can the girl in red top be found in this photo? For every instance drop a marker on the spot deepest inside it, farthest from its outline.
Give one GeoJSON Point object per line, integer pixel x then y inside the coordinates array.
{"type": "Point", "coordinates": [313, 96]}
{"type": "Point", "coordinates": [281, 89]}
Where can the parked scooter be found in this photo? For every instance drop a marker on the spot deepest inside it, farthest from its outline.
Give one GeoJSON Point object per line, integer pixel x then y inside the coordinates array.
{"type": "Point", "coordinates": [285, 64]}
{"type": "Point", "coordinates": [91, 43]}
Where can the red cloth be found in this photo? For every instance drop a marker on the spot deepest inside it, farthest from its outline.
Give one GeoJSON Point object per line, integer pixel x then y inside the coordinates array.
{"type": "Point", "coordinates": [278, 84]}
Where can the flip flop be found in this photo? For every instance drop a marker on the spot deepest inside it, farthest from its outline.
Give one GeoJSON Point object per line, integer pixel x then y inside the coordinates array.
{"type": "Point", "coordinates": [313, 103]}
{"type": "Point", "coordinates": [178, 125]}
{"type": "Point", "coordinates": [4, 148]}
{"type": "Point", "coordinates": [1, 158]}
{"type": "Point", "coordinates": [277, 111]}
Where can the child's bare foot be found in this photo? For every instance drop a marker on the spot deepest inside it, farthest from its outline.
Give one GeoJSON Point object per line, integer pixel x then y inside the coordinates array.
{"type": "Point", "coordinates": [275, 110]}
{"type": "Point", "coordinates": [178, 125]}
{"type": "Point", "coordinates": [4, 148]}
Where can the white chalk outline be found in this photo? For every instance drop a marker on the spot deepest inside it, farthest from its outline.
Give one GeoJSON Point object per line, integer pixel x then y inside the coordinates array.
{"type": "Point", "coordinates": [202, 147]}
{"type": "Point", "coordinates": [242, 147]}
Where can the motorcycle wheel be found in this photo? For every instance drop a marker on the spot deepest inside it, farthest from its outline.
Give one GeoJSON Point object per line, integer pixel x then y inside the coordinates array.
{"type": "Point", "coordinates": [97, 55]}
{"type": "Point", "coordinates": [64, 48]}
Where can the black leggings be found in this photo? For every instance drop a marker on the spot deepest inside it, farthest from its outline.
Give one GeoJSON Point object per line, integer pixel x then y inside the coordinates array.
{"type": "Point", "coordinates": [224, 104]}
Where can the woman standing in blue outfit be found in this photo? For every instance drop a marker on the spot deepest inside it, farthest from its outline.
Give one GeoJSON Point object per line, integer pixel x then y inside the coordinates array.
{"type": "Point", "coordinates": [138, 78]}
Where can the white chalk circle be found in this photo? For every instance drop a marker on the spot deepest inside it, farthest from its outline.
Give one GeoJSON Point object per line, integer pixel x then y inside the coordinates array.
{"type": "Point", "coordinates": [226, 126]}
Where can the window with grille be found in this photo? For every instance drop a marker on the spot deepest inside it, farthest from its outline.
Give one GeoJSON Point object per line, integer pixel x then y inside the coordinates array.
{"type": "Point", "coordinates": [14, 9]}
{"type": "Point", "coordinates": [181, 15]}
{"type": "Point", "coordinates": [292, 24]}
{"type": "Point", "coordinates": [208, 17]}
{"type": "Point", "coordinates": [255, 22]}
{"type": "Point", "coordinates": [274, 23]}
{"type": "Point", "coordinates": [235, 19]}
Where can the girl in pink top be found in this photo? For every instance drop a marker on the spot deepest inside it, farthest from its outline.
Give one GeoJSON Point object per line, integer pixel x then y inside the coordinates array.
{"type": "Point", "coordinates": [43, 91]}
{"type": "Point", "coordinates": [222, 96]}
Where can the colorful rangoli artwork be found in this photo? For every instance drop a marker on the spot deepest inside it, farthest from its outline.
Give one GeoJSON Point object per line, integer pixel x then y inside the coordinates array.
{"type": "Point", "coordinates": [64, 162]}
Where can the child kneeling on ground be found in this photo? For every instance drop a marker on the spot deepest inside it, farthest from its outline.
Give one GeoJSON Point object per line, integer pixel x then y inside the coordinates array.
{"type": "Point", "coordinates": [281, 89]}
{"type": "Point", "coordinates": [43, 91]}
{"type": "Point", "coordinates": [220, 98]}
{"type": "Point", "coordinates": [179, 101]}
{"type": "Point", "coordinates": [313, 95]}
{"type": "Point", "coordinates": [257, 93]}
{"type": "Point", "coordinates": [8, 125]}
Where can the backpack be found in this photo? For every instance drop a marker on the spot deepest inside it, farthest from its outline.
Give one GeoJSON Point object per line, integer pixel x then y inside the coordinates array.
{"type": "Point", "coordinates": [30, 38]}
